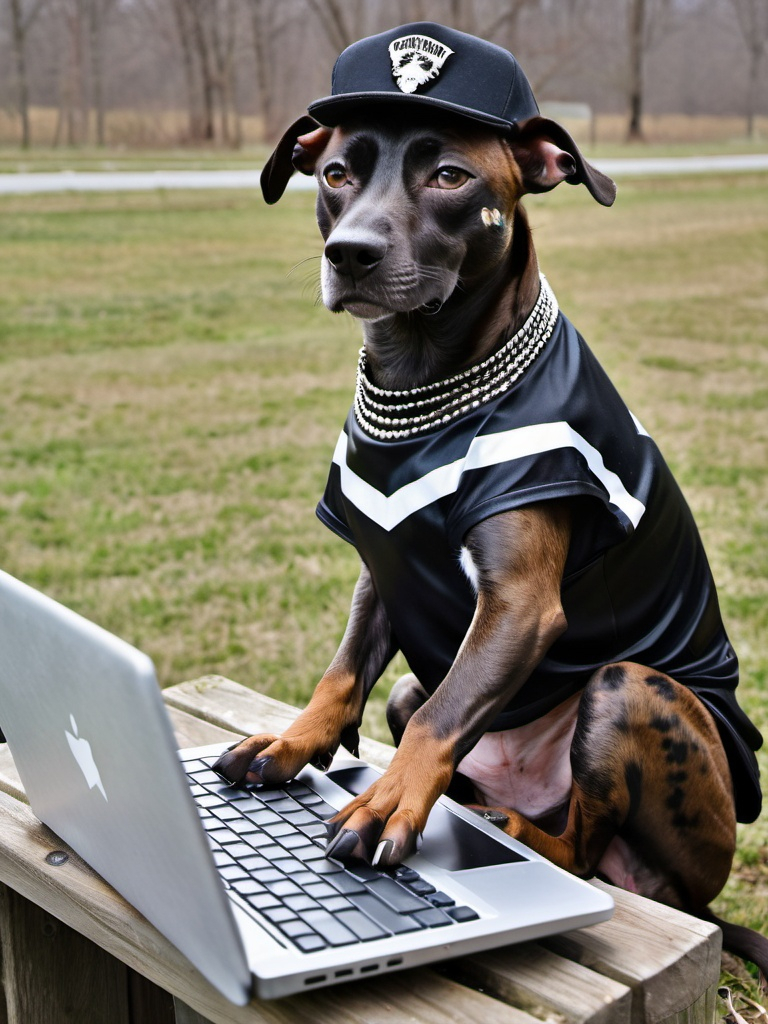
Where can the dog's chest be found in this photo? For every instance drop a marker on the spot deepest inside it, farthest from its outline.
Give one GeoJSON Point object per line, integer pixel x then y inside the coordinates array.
{"type": "Point", "coordinates": [528, 768]}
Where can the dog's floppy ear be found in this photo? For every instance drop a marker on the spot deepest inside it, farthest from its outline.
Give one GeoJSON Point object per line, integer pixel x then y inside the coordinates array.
{"type": "Point", "coordinates": [298, 150]}
{"type": "Point", "coordinates": [547, 155]}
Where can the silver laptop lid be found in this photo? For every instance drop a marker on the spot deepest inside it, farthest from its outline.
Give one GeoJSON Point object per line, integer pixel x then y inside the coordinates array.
{"type": "Point", "coordinates": [94, 748]}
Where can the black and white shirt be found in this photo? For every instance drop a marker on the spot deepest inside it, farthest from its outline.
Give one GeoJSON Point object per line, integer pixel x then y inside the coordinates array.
{"type": "Point", "coordinates": [637, 585]}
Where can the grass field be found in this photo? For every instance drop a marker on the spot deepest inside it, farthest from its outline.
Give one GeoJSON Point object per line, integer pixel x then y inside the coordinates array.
{"type": "Point", "coordinates": [171, 394]}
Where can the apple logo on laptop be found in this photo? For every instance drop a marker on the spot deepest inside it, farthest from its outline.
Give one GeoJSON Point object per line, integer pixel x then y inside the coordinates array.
{"type": "Point", "coordinates": [81, 749]}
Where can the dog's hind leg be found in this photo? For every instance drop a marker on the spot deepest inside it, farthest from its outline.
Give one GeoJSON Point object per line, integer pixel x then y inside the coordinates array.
{"type": "Point", "coordinates": [405, 698]}
{"type": "Point", "coordinates": [651, 805]}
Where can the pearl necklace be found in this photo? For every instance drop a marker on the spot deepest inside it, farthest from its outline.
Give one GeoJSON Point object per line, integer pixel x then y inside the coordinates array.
{"type": "Point", "coordinates": [400, 414]}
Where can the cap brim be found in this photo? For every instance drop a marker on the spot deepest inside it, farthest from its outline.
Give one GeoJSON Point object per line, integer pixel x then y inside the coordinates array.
{"type": "Point", "coordinates": [332, 110]}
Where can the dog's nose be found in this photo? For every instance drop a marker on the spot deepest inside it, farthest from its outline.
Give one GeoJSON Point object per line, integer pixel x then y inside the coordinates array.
{"type": "Point", "coordinates": [355, 253]}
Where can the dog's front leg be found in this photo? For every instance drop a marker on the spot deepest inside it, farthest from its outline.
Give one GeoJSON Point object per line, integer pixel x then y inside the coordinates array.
{"type": "Point", "coordinates": [335, 710]}
{"type": "Point", "coordinates": [519, 557]}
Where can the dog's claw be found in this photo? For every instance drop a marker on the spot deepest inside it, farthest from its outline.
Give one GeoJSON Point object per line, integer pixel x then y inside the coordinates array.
{"type": "Point", "coordinates": [219, 768]}
{"type": "Point", "coordinates": [257, 766]}
{"type": "Point", "coordinates": [383, 854]}
{"type": "Point", "coordinates": [323, 761]}
{"type": "Point", "coordinates": [343, 845]}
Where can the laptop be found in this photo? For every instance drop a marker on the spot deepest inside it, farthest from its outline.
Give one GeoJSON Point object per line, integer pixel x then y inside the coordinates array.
{"type": "Point", "coordinates": [236, 877]}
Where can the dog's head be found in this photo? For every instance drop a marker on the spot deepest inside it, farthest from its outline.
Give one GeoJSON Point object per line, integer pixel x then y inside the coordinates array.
{"type": "Point", "coordinates": [422, 152]}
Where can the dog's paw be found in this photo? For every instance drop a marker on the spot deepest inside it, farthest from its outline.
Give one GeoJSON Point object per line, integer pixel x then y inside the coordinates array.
{"type": "Point", "coordinates": [267, 760]}
{"type": "Point", "coordinates": [364, 832]}
{"type": "Point", "coordinates": [384, 825]}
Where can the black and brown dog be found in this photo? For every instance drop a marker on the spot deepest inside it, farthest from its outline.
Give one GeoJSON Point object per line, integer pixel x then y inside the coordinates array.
{"type": "Point", "coordinates": [522, 540]}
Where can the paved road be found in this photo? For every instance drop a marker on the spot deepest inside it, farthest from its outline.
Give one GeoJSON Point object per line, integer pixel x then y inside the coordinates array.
{"type": "Point", "coordinates": [142, 181]}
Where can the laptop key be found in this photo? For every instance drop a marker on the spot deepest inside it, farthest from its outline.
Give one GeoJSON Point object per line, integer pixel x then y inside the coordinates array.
{"type": "Point", "coordinates": [396, 896]}
{"type": "Point", "coordinates": [313, 853]}
{"type": "Point", "coordinates": [314, 829]}
{"type": "Point", "coordinates": [262, 817]}
{"type": "Point", "coordinates": [310, 943]}
{"type": "Point", "coordinates": [388, 919]}
{"type": "Point", "coordinates": [242, 826]}
{"type": "Point", "coordinates": [421, 887]}
{"type": "Point", "coordinates": [282, 888]}
{"type": "Point", "coordinates": [247, 886]}
{"type": "Point", "coordinates": [463, 913]}
{"type": "Point", "coordinates": [363, 927]}
{"type": "Point", "coordinates": [320, 808]}
{"type": "Point", "coordinates": [320, 890]}
{"type": "Point", "coordinates": [304, 878]}
{"type": "Point", "coordinates": [295, 927]}
{"type": "Point", "coordinates": [238, 850]}
{"type": "Point", "coordinates": [327, 867]}
{"type": "Point", "coordinates": [279, 914]}
{"type": "Point", "coordinates": [301, 817]}
{"type": "Point", "coordinates": [226, 812]}
{"type": "Point", "coordinates": [302, 903]}
{"type": "Point", "coordinates": [263, 900]}
{"type": "Point", "coordinates": [360, 869]}
{"type": "Point", "coordinates": [405, 874]}
{"type": "Point", "coordinates": [441, 899]}
{"type": "Point", "coordinates": [333, 904]}
{"type": "Point", "coordinates": [232, 871]}
{"type": "Point", "coordinates": [297, 841]}
{"type": "Point", "coordinates": [433, 918]}
{"type": "Point", "coordinates": [332, 930]}
{"type": "Point", "coordinates": [345, 884]}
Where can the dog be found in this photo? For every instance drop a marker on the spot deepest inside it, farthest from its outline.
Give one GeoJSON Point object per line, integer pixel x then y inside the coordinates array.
{"type": "Point", "coordinates": [522, 540]}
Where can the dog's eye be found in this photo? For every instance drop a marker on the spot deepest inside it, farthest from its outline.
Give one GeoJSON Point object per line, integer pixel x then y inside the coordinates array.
{"type": "Point", "coordinates": [449, 177]}
{"type": "Point", "coordinates": [335, 176]}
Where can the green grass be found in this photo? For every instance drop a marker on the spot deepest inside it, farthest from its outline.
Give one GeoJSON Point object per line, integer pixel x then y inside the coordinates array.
{"type": "Point", "coordinates": [171, 394]}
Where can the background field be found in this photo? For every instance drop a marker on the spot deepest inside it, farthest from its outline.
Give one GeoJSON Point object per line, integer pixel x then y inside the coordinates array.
{"type": "Point", "coordinates": [171, 394]}
{"type": "Point", "coordinates": [145, 144]}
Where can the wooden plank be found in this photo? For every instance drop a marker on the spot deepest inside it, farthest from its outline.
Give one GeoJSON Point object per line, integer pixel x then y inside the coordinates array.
{"type": "Point", "coordinates": [232, 706]}
{"type": "Point", "coordinates": [191, 731]}
{"type": "Point", "coordinates": [669, 959]}
{"type": "Point", "coordinates": [9, 777]}
{"type": "Point", "coordinates": [53, 974]}
{"type": "Point", "coordinates": [703, 1011]}
{"type": "Point", "coordinates": [550, 986]}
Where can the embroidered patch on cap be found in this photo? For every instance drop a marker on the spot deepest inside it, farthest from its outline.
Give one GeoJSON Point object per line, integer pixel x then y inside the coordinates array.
{"type": "Point", "coordinates": [416, 60]}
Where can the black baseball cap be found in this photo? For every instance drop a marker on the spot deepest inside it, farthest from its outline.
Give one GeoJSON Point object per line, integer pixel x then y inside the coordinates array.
{"type": "Point", "coordinates": [431, 65]}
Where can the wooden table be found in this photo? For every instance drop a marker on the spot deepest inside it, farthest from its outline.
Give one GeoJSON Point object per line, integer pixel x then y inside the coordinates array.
{"type": "Point", "coordinates": [74, 951]}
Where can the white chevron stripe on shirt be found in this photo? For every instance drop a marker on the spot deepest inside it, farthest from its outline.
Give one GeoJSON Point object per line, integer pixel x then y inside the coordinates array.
{"type": "Point", "coordinates": [388, 511]}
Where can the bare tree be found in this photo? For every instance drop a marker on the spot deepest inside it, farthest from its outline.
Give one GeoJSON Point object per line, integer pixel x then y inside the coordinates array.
{"type": "Point", "coordinates": [752, 19]}
{"type": "Point", "coordinates": [648, 21]}
{"type": "Point", "coordinates": [21, 22]}
{"type": "Point", "coordinates": [267, 33]}
{"type": "Point", "coordinates": [97, 13]}
{"type": "Point", "coordinates": [341, 23]}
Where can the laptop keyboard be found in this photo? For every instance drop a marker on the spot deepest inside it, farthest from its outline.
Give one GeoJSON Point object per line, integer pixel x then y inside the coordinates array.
{"type": "Point", "coordinates": [269, 847]}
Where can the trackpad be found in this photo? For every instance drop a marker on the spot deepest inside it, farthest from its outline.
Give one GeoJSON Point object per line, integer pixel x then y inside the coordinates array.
{"type": "Point", "coordinates": [449, 841]}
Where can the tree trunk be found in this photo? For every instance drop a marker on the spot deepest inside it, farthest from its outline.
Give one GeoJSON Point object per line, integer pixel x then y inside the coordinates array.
{"type": "Point", "coordinates": [19, 28]}
{"type": "Point", "coordinates": [261, 35]}
{"type": "Point", "coordinates": [635, 90]}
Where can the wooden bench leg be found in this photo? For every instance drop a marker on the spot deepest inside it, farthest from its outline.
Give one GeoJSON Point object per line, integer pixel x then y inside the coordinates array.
{"type": "Point", "coordinates": [54, 975]}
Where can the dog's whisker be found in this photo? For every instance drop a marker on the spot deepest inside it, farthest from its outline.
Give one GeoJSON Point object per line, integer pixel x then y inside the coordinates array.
{"type": "Point", "coordinates": [302, 263]}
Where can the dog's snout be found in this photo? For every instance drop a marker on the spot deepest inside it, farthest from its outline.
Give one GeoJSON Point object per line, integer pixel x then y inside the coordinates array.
{"type": "Point", "coordinates": [354, 253]}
